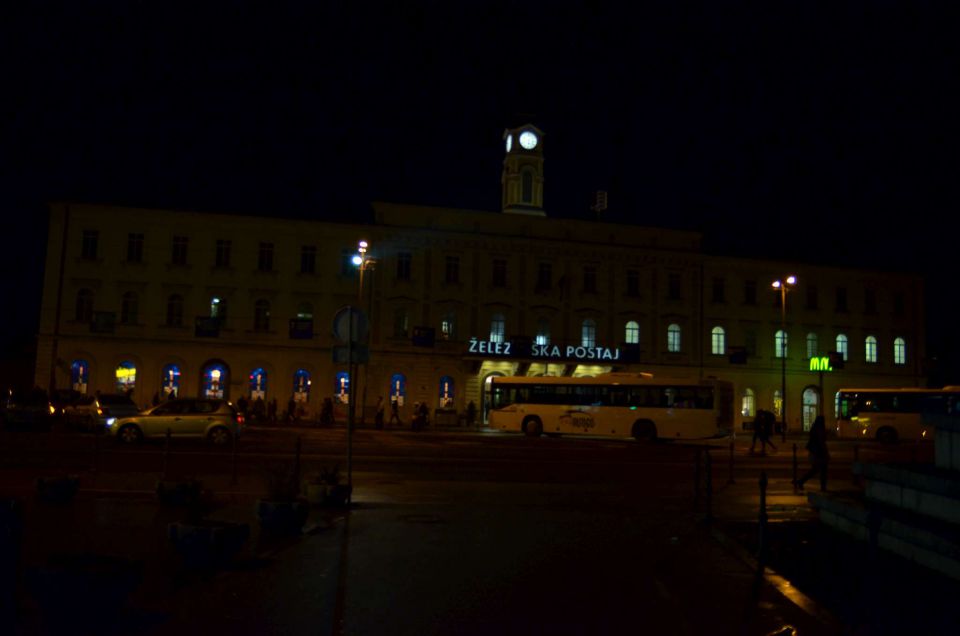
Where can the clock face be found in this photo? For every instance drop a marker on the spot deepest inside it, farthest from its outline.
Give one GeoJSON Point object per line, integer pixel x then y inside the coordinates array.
{"type": "Point", "coordinates": [528, 140]}
{"type": "Point", "coordinates": [509, 142]}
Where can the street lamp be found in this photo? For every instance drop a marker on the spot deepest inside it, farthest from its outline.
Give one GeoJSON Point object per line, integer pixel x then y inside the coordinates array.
{"type": "Point", "coordinates": [783, 286]}
{"type": "Point", "coordinates": [363, 263]}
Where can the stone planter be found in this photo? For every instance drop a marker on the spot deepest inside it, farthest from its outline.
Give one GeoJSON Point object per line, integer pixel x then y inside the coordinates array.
{"type": "Point", "coordinates": [179, 493]}
{"type": "Point", "coordinates": [208, 543]}
{"type": "Point", "coordinates": [58, 490]}
{"type": "Point", "coordinates": [282, 517]}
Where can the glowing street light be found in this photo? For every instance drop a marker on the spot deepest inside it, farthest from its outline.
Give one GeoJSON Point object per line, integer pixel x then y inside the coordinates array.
{"type": "Point", "coordinates": [783, 286]}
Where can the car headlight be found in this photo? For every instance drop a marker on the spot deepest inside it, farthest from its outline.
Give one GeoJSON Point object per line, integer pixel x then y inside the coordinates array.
{"type": "Point", "coordinates": [111, 421]}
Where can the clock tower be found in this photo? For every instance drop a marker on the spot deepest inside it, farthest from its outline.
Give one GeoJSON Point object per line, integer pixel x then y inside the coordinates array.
{"type": "Point", "coordinates": [522, 178]}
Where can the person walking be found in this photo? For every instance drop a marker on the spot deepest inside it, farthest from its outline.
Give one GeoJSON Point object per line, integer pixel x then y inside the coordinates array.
{"type": "Point", "coordinates": [819, 454]}
{"type": "Point", "coordinates": [395, 411]}
{"type": "Point", "coordinates": [762, 428]}
{"type": "Point", "coordinates": [378, 419]}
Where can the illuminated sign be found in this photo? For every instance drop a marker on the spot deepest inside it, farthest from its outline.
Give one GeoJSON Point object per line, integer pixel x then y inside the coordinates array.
{"type": "Point", "coordinates": [820, 364]}
{"type": "Point", "coordinates": [510, 349]}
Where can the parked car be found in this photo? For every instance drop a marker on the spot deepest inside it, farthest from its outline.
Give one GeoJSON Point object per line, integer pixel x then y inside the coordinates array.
{"type": "Point", "coordinates": [77, 410]}
{"type": "Point", "coordinates": [215, 420]}
{"type": "Point", "coordinates": [27, 410]}
{"type": "Point", "coordinates": [117, 405]}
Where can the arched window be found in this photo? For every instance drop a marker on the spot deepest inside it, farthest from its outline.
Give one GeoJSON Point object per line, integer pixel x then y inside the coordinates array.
{"type": "Point", "coordinates": [632, 332]}
{"type": "Point", "coordinates": [497, 328]}
{"type": "Point", "coordinates": [129, 308]}
{"type": "Point", "coordinates": [301, 386]}
{"type": "Point", "coordinates": [170, 381]}
{"type": "Point", "coordinates": [673, 338]}
{"type": "Point", "coordinates": [258, 384]}
{"type": "Point", "coordinates": [813, 347]}
{"type": "Point", "coordinates": [84, 309]}
{"type": "Point", "coordinates": [398, 388]}
{"type": "Point", "coordinates": [79, 375]}
{"type": "Point", "coordinates": [718, 341]}
{"type": "Point", "coordinates": [341, 388]}
{"type": "Point", "coordinates": [126, 375]}
{"type": "Point", "coordinates": [446, 392]}
{"type": "Point", "coordinates": [526, 182]}
{"type": "Point", "coordinates": [588, 333]}
{"type": "Point", "coordinates": [175, 311]}
{"type": "Point", "coordinates": [777, 402]}
{"type": "Point", "coordinates": [842, 346]}
{"type": "Point", "coordinates": [215, 380]}
{"type": "Point", "coordinates": [261, 315]}
{"type": "Point", "coordinates": [304, 311]}
{"type": "Point", "coordinates": [748, 403]}
{"type": "Point", "coordinates": [899, 351]}
{"type": "Point", "coordinates": [780, 344]}
{"type": "Point", "coordinates": [870, 349]}
{"type": "Point", "coordinates": [543, 331]}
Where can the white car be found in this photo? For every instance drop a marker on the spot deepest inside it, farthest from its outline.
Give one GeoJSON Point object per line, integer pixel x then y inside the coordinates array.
{"type": "Point", "coordinates": [213, 419]}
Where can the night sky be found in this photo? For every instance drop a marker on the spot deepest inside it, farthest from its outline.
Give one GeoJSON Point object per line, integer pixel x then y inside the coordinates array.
{"type": "Point", "coordinates": [816, 132]}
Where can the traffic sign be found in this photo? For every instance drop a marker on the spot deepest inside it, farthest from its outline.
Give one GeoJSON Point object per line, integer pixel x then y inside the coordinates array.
{"type": "Point", "coordinates": [350, 323]}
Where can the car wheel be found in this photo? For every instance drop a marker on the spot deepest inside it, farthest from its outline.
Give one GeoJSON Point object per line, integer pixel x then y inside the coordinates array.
{"type": "Point", "coordinates": [644, 431]}
{"type": "Point", "coordinates": [532, 426]}
{"type": "Point", "coordinates": [219, 436]}
{"type": "Point", "coordinates": [129, 434]}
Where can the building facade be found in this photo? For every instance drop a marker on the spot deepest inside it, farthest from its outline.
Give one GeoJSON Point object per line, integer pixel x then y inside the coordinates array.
{"type": "Point", "coordinates": [163, 301]}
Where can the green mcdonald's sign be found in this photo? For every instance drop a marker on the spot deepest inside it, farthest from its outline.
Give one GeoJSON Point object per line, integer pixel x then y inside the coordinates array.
{"type": "Point", "coordinates": [821, 363]}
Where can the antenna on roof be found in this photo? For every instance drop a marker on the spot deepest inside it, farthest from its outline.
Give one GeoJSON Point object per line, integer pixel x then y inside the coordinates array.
{"type": "Point", "coordinates": [600, 202]}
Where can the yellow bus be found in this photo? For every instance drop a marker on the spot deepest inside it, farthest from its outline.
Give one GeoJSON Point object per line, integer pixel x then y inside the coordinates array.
{"type": "Point", "coordinates": [613, 404]}
{"type": "Point", "coordinates": [889, 415]}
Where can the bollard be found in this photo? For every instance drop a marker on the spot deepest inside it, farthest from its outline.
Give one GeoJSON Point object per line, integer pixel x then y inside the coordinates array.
{"type": "Point", "coordinates": [762, 540]}
{"type": "Point", "coordinates": [708, 466]}
{"type": "Point", "coordinates": [730, 477]}
{"type": "Point", "coordinates": [166, 455]}
{"type": "Point", "coordinates": [794, 467]}
{"type": "Point", "coordinates": [696, 482]}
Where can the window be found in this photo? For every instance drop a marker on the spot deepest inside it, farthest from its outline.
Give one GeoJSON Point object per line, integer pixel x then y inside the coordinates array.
{"type": "Point", "coordinates": [218, 309]}
{"type": "Point", "coordinates": [590, 279]}
{"type": "Point", "coordinates": [452, 272]}
{"type": "Point", "coordinates": [777, 402]}
{"type": "Point", "coordinates": [84, 307]}
{"type": "Point", "coordinates": [780, 344]}
{"type": "Point", "coordinates": [632, 332]}
{"type": "Point", "coordinates": [526, 185]}
{"type": "Point", "coordinates": [869, 301]}
{"type": "Point", "coordinates": [308, 259]}
{"type": "Point", "coordinates": [870, 349]}
{"type": "Point", "coordinates": [178, 251]}
{"type": "Point", "coordinates": [750, 292]}
{"type": "Point", "coordinates": [129, 307]}
{"type": "Point", "coordinates": [223, 253]}
{"type": "Point", "coordinates": [633, 283]}
{"type": "Point", "coordinates": [588, 333]}
{"type": "Point", "coordinates": [673, 338]}
{"type": "Point", "coordinates": [497, 328]}
{"type": "Point", "coordinates": [812, 297]}
{"type": "Point", "coordinates": [448, 326]}
{"type": "Point", "coordinates": [750, 342]}
{"type": "Point", "coordinates": [170, 381]}
{"type": "Point", "coordinates": [404, 260]}
{"type": "Point", "coordinates": [134, 248]}
{"type": "Point", "coordinates": [88, 249]}
{"type": "Point", "coordinates": [175, 311]}
{"type": "Point", "coordinates": [842, 346]}
{"type": "Point", "coordinates": [446, 392]}
{"type": "Point", "coordinates": [813, 346]}
{"type": "Point", "coordinates": [748, 403]}
{"type": "Point", "coordinates": [841, 304]}
{"type": "Point", "coordinates": [544, 277]}
{"type": "Point", "coordinates": [257, 386]}
{"type": "Point", "coordinates": [341, 387]}
{"type": "Point", "coordinates": [543, 332]}
{"type": "Point", "coordinates": [261, 316]}
{"type": "Point", "coordinates": [899, 351]}
{"type": "Point", "coordinates": [401, 323]}
{"type": "Point", "coordinates": [499, 272]}
{"type": "Point", "coordinates": [301, 386]}
{"type": "Point", "coordinates": [718, 341]}
{"type": "Point", "coordinates": [126, 376]}
{"type": "Point", "coordinates": [265, 257]}
{"type": "Point", "coordinates": [718, 291]}
{"type": "Point", "coordinates": [673, 286]}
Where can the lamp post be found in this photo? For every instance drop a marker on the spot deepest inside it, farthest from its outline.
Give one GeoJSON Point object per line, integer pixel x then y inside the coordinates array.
{"type": "Point", "coordinates": [363, 263]}
{"type": "Point", "coordinates": [782, 286]}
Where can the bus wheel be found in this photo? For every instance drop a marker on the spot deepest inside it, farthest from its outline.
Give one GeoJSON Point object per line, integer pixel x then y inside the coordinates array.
{"type": "Point", "coordinates": [644, 431]}
{"type": "Point", "coordinates": [887, 436]}
{"type": "Point", "coordinates": [532, 426]}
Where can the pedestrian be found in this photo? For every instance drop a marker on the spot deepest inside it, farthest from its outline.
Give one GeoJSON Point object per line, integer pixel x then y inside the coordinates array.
{"type": "Point", "coordinates": [271, 410]}
{"type": "Point", "coordinates": [818, 453]}
{"type": "Point", "coordinates": [259, 409]}
{"type": "Point", "coordinates": [471, 413]}
{"type": "Point", "coordinates": [766, 431]}
{"type": "Point", "coordinates": [378, 419]}
{"type": "Point", "coordinates": [242, 406]}
{"type": "Point", "coordinates": [291, 410]}
{"type": "Point", "coordinates": [395, 411]}
{"type": "Point", "coordinates": [326, 412]}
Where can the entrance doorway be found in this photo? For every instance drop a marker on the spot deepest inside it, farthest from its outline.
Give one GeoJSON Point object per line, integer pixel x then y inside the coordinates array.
{"type": "Point", "coordinates": [485, 395]}
{"type": "Point", "coordinates": [811, 406]}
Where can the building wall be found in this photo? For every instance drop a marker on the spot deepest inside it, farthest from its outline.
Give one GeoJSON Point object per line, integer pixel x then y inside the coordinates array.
{"type": "Point", "coordinates": [677, 285]}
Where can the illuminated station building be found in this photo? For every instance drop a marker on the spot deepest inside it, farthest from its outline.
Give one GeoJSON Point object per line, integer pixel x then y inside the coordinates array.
{"type": "Point", "coordinates": [163, 301]}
